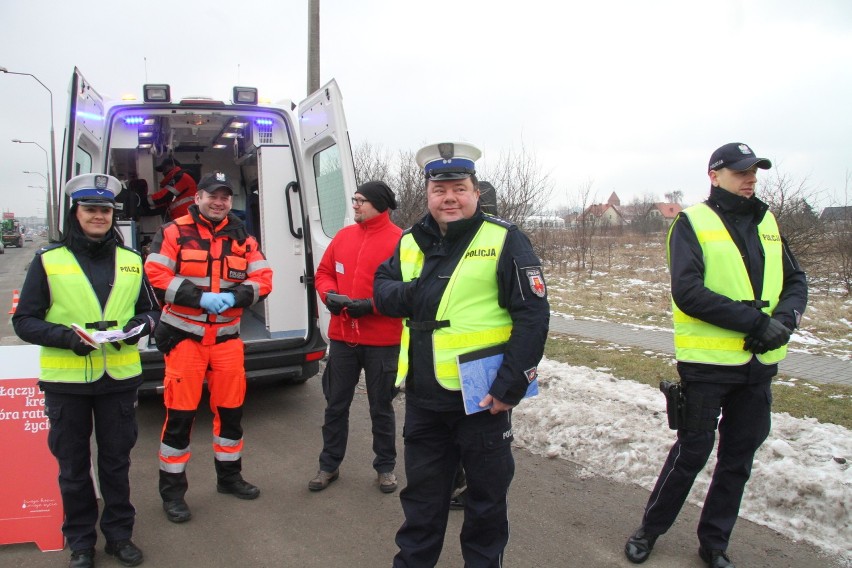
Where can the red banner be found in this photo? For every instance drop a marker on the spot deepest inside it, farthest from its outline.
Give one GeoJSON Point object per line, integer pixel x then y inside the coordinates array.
{"type": "Point", "coordinates": [30, 503]}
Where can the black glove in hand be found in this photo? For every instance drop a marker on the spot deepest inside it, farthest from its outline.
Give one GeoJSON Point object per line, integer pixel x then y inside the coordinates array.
{"type": "Point", "coordinates": [333, 306]}
{"type": "Point", "coordinates": [76, 345]}
{"type": "Point", "coordinates": [753, 345]}
{"type": "Point", "coordinates": [770, 334]}
{"type": "Point", "coordinates": [146, 330]}
{"type": "Point", "coordinates": [358, 308]}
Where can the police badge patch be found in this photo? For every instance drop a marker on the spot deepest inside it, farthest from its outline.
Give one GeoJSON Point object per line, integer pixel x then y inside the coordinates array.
{"type": "Point", "coordinates": [531, 374]}
{"type": "Point", "coordinates": [536, 282]}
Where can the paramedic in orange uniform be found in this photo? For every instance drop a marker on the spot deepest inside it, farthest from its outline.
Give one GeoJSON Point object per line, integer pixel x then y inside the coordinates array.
{"type": "Point", "coordinates": [177, 189]}
{"type": "Point", "coordinates": [205, 268]}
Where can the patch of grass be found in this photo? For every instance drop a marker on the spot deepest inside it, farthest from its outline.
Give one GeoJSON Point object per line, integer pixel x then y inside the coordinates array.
{"type": "Point", "coordinates": [826, 403]}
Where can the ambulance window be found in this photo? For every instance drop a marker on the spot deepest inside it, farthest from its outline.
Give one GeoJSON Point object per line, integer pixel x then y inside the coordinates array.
{"type": "Point", "coordinates": [82, 162]}
{"type": "Point", "coordinates": [330, 191]}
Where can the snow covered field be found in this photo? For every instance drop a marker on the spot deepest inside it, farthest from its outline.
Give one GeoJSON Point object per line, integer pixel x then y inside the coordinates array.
{"type": "Point", "coordinates": [801, 483]}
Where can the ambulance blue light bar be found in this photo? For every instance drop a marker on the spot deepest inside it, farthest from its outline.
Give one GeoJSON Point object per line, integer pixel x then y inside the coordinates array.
{"type": "Point", "coordinates": [157, 93]}
{"type": "Point", "coordinates": [245, 96]}
{"type": "Point", "coordinates": [134, 120]}
{"type": "Point", "coordinates": [263, 122]}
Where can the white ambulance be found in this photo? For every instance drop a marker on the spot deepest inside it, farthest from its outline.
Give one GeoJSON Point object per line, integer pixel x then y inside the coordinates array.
{"type": "Point", "coordinates": [295, 176]}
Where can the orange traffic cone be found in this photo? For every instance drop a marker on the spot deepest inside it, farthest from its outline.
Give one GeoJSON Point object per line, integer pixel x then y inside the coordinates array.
{"type": "Point", "coordinates": [15, 296]}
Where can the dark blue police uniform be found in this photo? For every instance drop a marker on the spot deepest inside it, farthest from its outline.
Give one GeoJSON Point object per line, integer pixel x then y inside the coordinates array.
{"type": "Point", "coordinates": [437, 431]}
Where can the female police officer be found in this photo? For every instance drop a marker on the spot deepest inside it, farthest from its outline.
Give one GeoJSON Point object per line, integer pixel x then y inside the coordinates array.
{"type": "Point", "coordinates": [90, 279]}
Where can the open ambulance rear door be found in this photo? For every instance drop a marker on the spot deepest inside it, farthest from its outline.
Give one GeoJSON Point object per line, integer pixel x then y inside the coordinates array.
{"type": "Point", "coordinates": [328, 181]}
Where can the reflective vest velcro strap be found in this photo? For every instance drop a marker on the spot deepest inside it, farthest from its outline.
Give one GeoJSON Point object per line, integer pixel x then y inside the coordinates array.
{"type": "Point", "coordinates": [426, 325]}
{"type": "Point", "coordinates": [697, 341]}
{"type": "Point", "coordinates": [101, 325]}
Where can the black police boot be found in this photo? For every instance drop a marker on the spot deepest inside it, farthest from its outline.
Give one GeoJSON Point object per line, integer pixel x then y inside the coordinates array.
{"type": "Point", "coordinates": [639, 546]}
{"type": "Point", "coordinates": [230, 480]}
{"type": "Point", "coordinates": [715, 558]}
{"type": "Point", "coordinates": [125, 552]}
{"type": "Point", "coordinates": [177, 511]}
{"type": "Point", "coordinates": [239, 488]}
{"type": "Point", "coordinates": [173, 487]}
{"type": "Point", "coordinates": [84, 558]}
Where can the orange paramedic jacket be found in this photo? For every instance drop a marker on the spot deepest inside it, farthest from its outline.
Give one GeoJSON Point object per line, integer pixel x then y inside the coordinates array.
{"type": "Point", "coordinates": [190, 256]}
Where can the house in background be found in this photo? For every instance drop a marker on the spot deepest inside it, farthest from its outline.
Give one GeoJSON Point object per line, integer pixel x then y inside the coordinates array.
{"type": "Point", "coordinates": [606, 214]}
{"type": "Point", "coordinates": [837, 216]}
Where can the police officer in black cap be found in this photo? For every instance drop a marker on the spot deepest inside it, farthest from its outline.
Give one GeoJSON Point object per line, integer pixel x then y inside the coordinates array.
{"type": "Point", "coordinates": [737, 295]}
{"type": "Point", "coordinates": [90, 279]}
{"type": "Point", "coordinates": [465, 282]}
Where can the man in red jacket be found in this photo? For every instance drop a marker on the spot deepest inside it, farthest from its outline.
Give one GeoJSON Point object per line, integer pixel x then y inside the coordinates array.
{"type": "Point", "coordinates": [177, 189]}
{"type": "Point", "coordinates": [360, 337]}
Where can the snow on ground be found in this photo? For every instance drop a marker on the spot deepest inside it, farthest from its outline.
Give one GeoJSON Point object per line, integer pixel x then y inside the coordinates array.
{"type": "Point", "coordinates": [801, 483]}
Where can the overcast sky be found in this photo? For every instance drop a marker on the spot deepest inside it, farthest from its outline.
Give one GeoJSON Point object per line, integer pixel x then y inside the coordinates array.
{"type": "Point", "coordinates": [630, 96]}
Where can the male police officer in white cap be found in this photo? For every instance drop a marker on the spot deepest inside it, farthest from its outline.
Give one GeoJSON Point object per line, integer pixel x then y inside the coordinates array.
{"type": "Point", "coordinates": [92, 280]}
{"type": "Point", "coordinates": [463, 281]}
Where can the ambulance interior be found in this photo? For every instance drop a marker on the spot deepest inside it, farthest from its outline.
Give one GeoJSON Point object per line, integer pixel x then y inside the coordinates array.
{"type": "Point", "coordinates": [202, 141]}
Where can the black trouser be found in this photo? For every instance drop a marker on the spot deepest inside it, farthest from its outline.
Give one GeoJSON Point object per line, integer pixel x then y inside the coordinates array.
{"type": "Point", "coordinates": [745, 423]}
{"type": "Point", "coordinates": [339, 380]}
{"type": "Point", "coordinates": [69, 441]}
{"type": "Point", "coordinates": [434, 442]}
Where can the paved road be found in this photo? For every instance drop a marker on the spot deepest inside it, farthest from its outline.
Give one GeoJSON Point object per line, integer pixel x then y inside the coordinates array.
{"type": "Point", "coordinates": [816, 368]}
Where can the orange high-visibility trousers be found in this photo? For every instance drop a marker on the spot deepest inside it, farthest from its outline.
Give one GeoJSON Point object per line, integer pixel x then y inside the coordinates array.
{"type": "Point", "coordinates": [187, 364]}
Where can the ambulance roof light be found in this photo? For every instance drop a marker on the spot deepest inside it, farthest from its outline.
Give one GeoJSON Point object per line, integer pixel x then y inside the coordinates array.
{"type": "Point", "coordinates": [157, 93]}
{"type": "Point", "coordinates": [245, 96]}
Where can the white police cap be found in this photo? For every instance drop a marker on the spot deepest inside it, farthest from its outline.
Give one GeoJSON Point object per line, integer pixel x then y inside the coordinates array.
{"type": "Point", "coordinates": [448, 160]}
{"type": "Point", "coordinates": [93, 189]}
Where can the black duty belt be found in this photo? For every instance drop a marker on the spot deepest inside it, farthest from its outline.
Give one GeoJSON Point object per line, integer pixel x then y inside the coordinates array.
{"type": "Point", "coordinates": [427, 325]}
{"type": "Point", "coordinates": [101, 325]}
{"type": "Point", "coordinates": [759, 304]}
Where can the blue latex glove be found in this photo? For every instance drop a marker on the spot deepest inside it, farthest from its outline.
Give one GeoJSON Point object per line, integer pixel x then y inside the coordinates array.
{"type": "Point", "coordinates": [228, 300]}
{"type": "Point", "coordinates": [212, 302]}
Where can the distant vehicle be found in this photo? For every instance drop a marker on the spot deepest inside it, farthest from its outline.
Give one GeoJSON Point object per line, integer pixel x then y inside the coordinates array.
{"type": "Point", "coordinates": [295, 175]}
{"type": "Point", "coordinates": [11, 229]}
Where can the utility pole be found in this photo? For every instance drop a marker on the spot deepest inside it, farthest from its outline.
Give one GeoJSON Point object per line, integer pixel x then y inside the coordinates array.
{"type": "Point", "coordinates": [313, 45]}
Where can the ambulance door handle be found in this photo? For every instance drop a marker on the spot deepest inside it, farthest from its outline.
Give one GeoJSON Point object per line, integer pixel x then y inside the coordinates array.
{"type": "Point", "coordinates": [295, 187]}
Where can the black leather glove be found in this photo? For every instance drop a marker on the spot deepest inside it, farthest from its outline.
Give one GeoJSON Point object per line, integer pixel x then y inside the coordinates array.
{"type": "Point", "coordinates": [146, 330]}
{"type": "Point", "coordinates": [76, 345]}
{"type": "Point", "coordinates": [333, 306]}
{"type": "Point", "coordinates": [358, 308]}
{"type": "Point", "coordinates": [770, 334]}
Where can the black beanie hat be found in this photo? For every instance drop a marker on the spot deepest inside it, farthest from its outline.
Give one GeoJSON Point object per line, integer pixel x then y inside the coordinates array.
{"type": "Point", "coordinates": [378, 194]}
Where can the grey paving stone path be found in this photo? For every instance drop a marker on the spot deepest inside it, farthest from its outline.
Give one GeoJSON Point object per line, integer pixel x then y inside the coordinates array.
{"type": "Point", "coordinates": [817, 368]}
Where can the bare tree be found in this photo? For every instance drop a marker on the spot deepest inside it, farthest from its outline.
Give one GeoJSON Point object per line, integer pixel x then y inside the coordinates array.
{"type": "Point", "coordinates": [410, 190]}
{"type": "Point", "coordinates": [522, 188]}
{"type": "Point", "coordinates": [675, 196]}
{"type": "Point", "coordinates": [789, 200]}
{"type": "Point", "coordinates": [645, 217]}
{"type": "Point", "coordinates": [581, 233]}
{"type": "Point", "coordinates": [372, 163]}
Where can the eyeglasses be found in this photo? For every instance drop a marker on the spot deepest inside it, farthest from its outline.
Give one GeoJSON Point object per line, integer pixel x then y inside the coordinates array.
{"type": "Point", "coordinates": [358, 201]}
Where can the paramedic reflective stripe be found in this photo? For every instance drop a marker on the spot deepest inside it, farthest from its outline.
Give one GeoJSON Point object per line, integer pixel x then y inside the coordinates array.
{"type": "Point", "coordinates": [469, 303]}
{"type": "Point", "coordinates": [181, 322]}
{"type": "Point", "coordinates": [697, 341]}
{"type": "Point", "coordinates": [179, 203]}
{"type": "Point", "coordinates": [226, 449]}
{"type": "Point", "coordinates": [173, 460]}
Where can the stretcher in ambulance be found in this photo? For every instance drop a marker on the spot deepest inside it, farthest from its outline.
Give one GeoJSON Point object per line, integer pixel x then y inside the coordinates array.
{"type": "Point", "coordinates": [295, 176]}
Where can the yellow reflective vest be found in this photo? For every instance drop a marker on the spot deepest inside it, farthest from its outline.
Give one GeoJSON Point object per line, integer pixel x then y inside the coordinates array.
{"type": "Point", "coordinates": [725, 273]}
{"type": "Point", "coordinates": [469, 303]}
{"type": "Point", "coordinates": [73, 300]}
